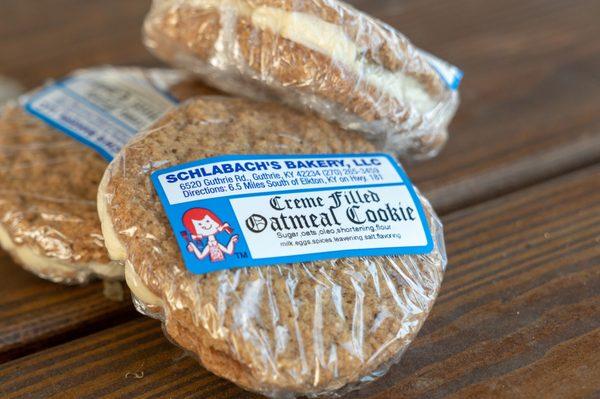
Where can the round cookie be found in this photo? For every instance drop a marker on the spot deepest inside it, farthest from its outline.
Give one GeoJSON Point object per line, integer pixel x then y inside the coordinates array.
{"type": "Point", "coordinates": [48, 186]}
{"type": "Point", "coordinates": [284, 330]}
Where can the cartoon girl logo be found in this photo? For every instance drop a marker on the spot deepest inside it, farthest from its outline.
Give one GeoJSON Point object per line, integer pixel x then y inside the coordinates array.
{"type": "Point", "coordinates": [202, 223]}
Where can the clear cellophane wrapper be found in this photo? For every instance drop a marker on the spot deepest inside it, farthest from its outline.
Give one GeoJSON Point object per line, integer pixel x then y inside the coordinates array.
{"type": "Point", "coordinates": [318, 292]}
{"type": "Point", "coordinates": [48, 185]}
{"type": "Point", "coordinates": [314, 328]}
{"type": "Point", "coordinates": [323, 55]}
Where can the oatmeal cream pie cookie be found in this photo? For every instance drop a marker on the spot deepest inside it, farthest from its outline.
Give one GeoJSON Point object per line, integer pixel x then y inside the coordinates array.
{"type": "Point", "coordinates": [48, 185]}
{"type": "Point", "coordinates": [285, 330]}
{"type": "Point", "coordinates": [321, 54]}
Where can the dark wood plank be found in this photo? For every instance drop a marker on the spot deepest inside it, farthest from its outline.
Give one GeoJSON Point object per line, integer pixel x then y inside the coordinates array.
{"type": "Point", "coordinates": [35, 313]}
{"type": "Point", "coordinates": [49, 38]}
{"type": "Point", "coordinates": [530, 97]}
{"type": "Point", "coordinates": [519, 311]}
{"type": "Point", "coordinates": [518, 316]}
{"type": "Point", "coordinates": [132, 360]}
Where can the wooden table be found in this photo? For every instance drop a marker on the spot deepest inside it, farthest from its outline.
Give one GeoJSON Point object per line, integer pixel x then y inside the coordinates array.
{"type": "Point", "coordinates": [518, 189]}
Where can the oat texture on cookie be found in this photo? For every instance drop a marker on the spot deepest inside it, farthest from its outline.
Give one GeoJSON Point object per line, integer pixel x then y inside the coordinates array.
{"type": "Point", "coordinates": [287, 330]}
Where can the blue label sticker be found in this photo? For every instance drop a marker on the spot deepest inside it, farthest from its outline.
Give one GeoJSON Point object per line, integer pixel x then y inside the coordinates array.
{"type": "Point", "coordinates": [256, 210]}
{"type": "Point", "coordinates": [103, 108]}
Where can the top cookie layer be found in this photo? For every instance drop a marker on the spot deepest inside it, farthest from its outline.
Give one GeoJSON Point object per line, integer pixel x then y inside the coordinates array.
{"type": "Point", "coordinates": [295, 328]}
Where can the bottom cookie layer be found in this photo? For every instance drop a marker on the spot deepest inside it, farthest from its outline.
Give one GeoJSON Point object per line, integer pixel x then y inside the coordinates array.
{"type": "Point", "coordinates": [55, 270]}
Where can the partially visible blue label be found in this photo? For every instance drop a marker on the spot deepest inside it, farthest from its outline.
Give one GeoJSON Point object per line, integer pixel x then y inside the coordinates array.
{"type": "Point", "coordinates": [450, 74]}
{"type": "Point", "coordinates": [256, 210]}
{"type": "Point", "coordinates": [103, 108]}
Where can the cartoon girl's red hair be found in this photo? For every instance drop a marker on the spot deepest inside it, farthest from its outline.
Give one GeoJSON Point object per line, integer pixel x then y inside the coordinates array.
{"type": "Point", "coordinates": [199, 214]}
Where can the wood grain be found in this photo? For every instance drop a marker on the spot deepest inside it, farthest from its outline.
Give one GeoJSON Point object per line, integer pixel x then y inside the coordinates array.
{"type": "Point", "coordinates": [518, 316]}
{"type": "Point", "coordinates": [530, 97]}
{"type": "Point", "coordinates": [35, 313]}
{"type": "Point", "coordinates": [519, 311]}
{"type": "Point", "coordinates": [49, 38]}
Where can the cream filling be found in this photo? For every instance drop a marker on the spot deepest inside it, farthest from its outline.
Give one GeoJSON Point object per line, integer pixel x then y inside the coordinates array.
{"type": "Point", "coordinates": [117, 251]}
{"type": "Point", "coordinates": [331, 40]}
{"type": "Point", "coordinates": [138, 288]}
{"type": "Point", "coordinates": [113, 245]}
{"type": "Point", "coordinates": [111, 270]}
{"type": "Point", "coordinates": [53, 269]}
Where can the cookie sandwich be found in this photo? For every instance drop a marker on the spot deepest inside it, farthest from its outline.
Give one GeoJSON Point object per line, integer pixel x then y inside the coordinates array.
{"type": "Point", "coordinates": [53, 153]}
{"type": "Point", "coordinates": [325, 55]}
{"type": "Point", "coordinates": [226, 290]}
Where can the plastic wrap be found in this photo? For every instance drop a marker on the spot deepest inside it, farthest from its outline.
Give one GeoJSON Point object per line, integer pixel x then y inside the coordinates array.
{"type": "Point", "coordinates": [323, 55]}
{"type": "Point", "coordinates": [9, 89]}
{"type": "Point", "coordinates": [288, 330]}
{"type": "Point", "coordinates": [48, 186]}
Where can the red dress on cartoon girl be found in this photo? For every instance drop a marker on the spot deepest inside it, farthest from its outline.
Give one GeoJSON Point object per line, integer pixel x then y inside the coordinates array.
{"type": "Point", "coordinates": [202, 223]}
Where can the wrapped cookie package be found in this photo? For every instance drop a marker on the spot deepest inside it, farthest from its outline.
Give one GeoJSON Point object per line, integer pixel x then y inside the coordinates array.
{"type": "Point", "coordinates": [55, 143]}
{"type": "Point", "coordinates": [283, 328]}
{"type": "Point", "coordinates": [323, 55]}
